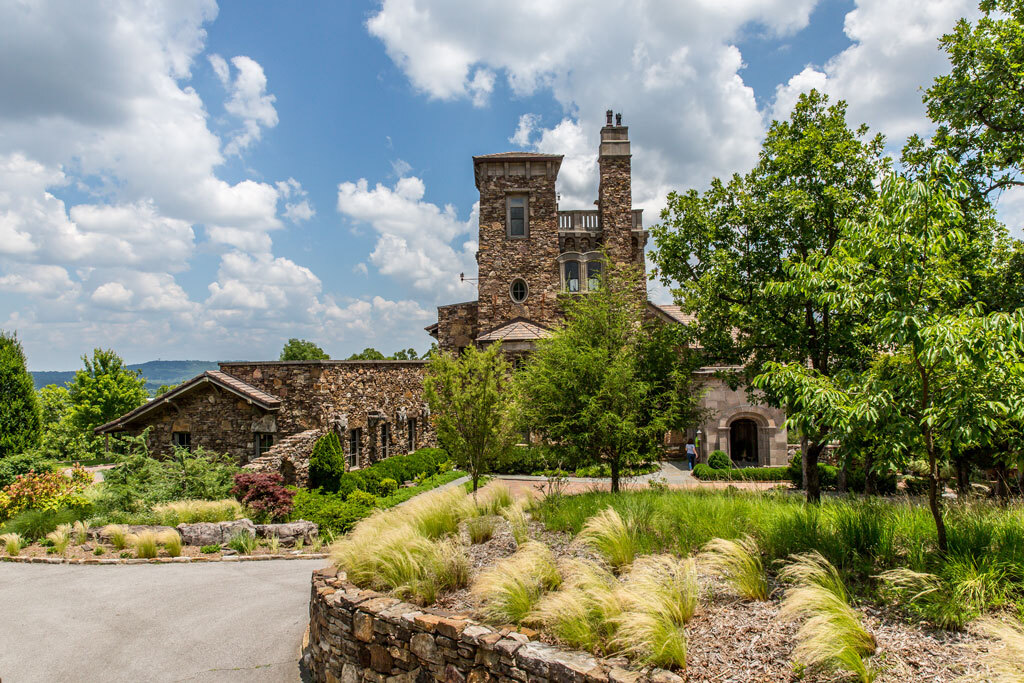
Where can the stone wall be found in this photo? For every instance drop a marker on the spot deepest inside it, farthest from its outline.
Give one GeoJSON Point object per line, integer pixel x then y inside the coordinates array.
{"type": "Point", "coordinates": [218, 421]}
{"type": "Point", "coordinates": [359, 635]}
{"type": "Point", "coordinates": [289, 457]}
{"type": "Point", "coordinates": [347, 395]}
{"type": "Point", "coordinates": [725, 405]}
{"type": "Point", "coordinates": [457, 326]}
{"type": "Point", "coordinates": [502, 259]}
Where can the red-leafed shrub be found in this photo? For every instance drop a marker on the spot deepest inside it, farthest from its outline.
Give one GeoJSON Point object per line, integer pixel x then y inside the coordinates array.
{"type": "Point", "coordinates": [264, 494]}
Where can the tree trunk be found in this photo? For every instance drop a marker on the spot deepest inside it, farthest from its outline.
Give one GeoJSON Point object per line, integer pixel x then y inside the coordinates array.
{"type": "Point", "coordinates": [614, 462]}
{"type": "Point", "coordinates": [841, 479]}
{"type": "Point", "coordinates": [933, 494]}
{"type": "Point", "coordinates": [803, 462]}
{"type": "Point", "coordinates": [1002, 487]}
{"type": "Point", "coordinates": [870, 478]}
{"type": "Point", "coordinates": [812, 482]}
{"type": "Point", "coordinates": [476, 479]}
{"type": "Point", "coordinates": [963, 475]}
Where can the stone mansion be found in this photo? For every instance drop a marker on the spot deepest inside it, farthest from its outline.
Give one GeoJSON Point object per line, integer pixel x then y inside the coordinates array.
{"type": "Point", "coordinates": [531, 254]}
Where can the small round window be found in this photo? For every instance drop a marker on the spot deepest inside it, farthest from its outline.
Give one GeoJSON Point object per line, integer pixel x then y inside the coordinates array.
{"type": "Point", "coordinates": [519, 290]}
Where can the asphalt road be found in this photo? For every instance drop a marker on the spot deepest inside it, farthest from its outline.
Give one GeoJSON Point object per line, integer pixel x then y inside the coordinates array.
{"type": "Point", "coordinates": [222, 621]}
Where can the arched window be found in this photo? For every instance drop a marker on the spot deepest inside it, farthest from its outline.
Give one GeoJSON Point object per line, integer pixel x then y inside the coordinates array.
{"type": "Point", "coordinates": [571, 276]}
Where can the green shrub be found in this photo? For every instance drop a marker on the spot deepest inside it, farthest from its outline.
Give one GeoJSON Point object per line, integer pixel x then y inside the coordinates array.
{"type": "Point", "coordinates": [35, 524]}
{"type": "Point", "coordinates": [718, 460]}
{"type": "Point", "coordinates": [243, 543]}
{"type": "Point", "coordinates": [209, 549]}
{"type": "Point", "coordinates": [706, 473]}
{"type": "Point", "coordinates": [388, 486]}
{"type": "Point", "coordinates": [363, 498]}
{"type": "Point", "coordinates": [23, 463]}
{"type": "Point", "coordinates": [916, 486]}
{"type": "Point", "coordinates": [326, 463]}
{"type": "Point", "coordinates": [327, 511]}
{"type": "Point", "coordinates": [828, 475]}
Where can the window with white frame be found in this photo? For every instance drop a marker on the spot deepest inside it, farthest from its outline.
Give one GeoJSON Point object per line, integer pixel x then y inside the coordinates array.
{"type": "Point", "coordinates": [581, 272]}
{"type": "Point", "coordinates": [571, 276]}
{"type": "Point", "coordinates": [593, 275]}
{"type": "Point", "coordinates": [517, 219]}
{"type": "Point", "coordinates": [355, 447]}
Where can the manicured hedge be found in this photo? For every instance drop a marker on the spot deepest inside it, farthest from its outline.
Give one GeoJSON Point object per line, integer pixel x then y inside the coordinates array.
{"type": "Point", "coordinates": [706, 473]}
{"type": "Point", "coordinates": [381, 478]}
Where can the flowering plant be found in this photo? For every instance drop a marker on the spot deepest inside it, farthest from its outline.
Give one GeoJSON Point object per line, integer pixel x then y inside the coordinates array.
{"type": "Point", "coordinates": [51, 490]}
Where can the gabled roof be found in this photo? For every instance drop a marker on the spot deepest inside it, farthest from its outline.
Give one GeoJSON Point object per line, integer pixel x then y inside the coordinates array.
{"type": "Point", "coordinates": [216, 377]}
{"type": "Point", "coordinates": [671, 313]}
{"type": "Point", "coordinates": [519, 329]}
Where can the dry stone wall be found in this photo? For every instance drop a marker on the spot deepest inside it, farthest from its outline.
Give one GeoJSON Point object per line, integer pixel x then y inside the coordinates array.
{"type": "Point", "coordinates": [359, 635]}
{"type": "Point", "coordinates": [457, 326]}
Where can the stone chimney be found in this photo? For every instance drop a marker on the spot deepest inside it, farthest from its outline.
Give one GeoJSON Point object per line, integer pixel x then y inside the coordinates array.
{"type": "Point", "coordinates": [615, 196]}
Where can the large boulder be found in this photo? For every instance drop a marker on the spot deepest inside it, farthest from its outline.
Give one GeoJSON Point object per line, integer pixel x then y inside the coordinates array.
{"type": "Point", "coordinates": [214, 533]}
{"type": "Point", "coordinates": [289, 531]}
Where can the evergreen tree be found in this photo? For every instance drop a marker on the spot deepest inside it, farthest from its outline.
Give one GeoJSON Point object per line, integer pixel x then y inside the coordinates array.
{"type": "Point", "coordinates": [20, 415]}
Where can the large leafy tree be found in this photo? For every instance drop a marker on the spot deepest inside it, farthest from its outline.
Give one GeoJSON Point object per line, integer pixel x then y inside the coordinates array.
{"type": "Point", "coordinates": [951, 376]}
{"type": "Point", "coordinates": [20, 416]}
{"type": "Point", "coordinates": [300, 349]}
{"type": "Point", "coordinates": [62, 438]}
{"type": "Point", "coordinates": [468, 398]}
{"type": "Point", "coordinates": [104, 389]}
{"type": "Point", "coordinates": [602, 386]}
{"type": "Point", "coordinates": [739, 255]}
{"type": "Point", "coordinates": [979, 104]}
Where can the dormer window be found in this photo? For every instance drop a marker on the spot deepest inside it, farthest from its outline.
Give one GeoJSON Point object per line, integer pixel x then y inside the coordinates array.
{"type": "Point", "coordinates": [517, 219]}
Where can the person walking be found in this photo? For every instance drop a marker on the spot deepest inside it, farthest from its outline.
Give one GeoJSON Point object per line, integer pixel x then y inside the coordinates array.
{"type": "Point", "coordinates": [691, 453]}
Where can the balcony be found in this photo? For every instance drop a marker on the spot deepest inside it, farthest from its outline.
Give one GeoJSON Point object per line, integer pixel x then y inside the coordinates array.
{"type": "Point", "coordinates": [587, 221]}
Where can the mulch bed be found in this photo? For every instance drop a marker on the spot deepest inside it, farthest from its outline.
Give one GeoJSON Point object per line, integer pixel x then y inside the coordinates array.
{"type": "Point", "coordinates": [731, 640]}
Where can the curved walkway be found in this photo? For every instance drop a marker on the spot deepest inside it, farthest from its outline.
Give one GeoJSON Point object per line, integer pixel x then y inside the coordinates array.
{"type": "Point", "coordinates": [177, 622]}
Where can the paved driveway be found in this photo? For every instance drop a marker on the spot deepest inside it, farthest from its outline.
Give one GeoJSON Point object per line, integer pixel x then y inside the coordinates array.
{"type": "Point", "coordinates": [207, 622]}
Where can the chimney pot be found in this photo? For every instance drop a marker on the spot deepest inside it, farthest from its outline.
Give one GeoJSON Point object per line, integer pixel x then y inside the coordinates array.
{"type": "Point", "coordinates": [618, 119]}
{"type": "Point", "coordinates": [608, 114]}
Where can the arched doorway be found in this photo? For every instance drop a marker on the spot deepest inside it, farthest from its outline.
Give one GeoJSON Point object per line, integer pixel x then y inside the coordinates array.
{"type": "Point", "coordinates": [743, 442]}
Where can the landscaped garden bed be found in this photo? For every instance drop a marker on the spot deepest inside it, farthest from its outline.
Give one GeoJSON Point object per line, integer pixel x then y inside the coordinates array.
{"type": "Point", "coordinates": [641, 575]}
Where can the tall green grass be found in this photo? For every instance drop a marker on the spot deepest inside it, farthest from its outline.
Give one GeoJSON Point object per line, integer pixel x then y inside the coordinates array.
{"type": "Point", "coordinates": [863, 538]}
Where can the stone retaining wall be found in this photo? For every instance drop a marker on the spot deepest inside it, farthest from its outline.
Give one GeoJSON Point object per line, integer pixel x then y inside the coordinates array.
{"type": "Point", "coordinates": [360, 635]}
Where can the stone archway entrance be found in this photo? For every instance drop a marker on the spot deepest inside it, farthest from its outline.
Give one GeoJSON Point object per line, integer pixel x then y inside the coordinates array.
{"type": "Point", "coordinates": [743, 445]}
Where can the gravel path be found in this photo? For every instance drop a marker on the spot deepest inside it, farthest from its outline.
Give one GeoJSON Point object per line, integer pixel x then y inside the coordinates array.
{"type": "Point", "coordinates": [208, 622]}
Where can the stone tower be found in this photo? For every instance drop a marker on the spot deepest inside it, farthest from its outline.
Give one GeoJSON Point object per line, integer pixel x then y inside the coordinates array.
{"type": "Point", "coordinates": [624, 237]}
{"type": "Point", "coordinates": [518, 251]}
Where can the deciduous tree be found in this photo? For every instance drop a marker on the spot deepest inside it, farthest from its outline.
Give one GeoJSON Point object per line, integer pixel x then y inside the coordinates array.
{"type": "Point", "coordinates": [104, 389]}
{"type": "Point", "coordinates": [300, 349]}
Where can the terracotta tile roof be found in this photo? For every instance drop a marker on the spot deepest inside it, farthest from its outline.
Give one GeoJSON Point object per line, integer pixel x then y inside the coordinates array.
{"type": "Point", "coordinates": [674, 312]}
{"type": "Point", "coordinates": [221, 379]}
{"type": "Point", "coordinates": [519, 329]}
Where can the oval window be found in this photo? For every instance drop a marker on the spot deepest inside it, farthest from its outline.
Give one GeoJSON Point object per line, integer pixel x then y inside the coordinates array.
{"type": "Point", "coordinates": [519, 290]}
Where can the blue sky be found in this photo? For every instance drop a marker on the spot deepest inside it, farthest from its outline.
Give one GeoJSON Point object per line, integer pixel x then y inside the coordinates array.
{"type": "Point", "coordinates": [204, 181]}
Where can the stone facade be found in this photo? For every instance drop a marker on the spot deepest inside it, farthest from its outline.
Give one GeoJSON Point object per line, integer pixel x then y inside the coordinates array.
{"type": "Point", "coordinates": [726, 408]}
{"type": "Point", "coordinates": [289, 457]}
{"type": "Point", "coordinates": [457, 326]}
{"type": "Point", "coordinates": [358, 635]}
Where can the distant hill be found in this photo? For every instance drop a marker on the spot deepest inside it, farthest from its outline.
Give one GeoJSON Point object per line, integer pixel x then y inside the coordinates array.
{"type": "Point", "coordinates": [156, 372]}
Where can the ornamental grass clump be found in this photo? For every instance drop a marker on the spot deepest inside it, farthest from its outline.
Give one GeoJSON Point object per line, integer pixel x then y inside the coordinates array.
{"type": "Point", "coordinates": [928, 596]}
{"type": "Point", "coordinates": [438, 515]}
{"type": "Point", "coordinates": [194, 511]}
{"type": "Point", "coordinates": [515, 515]}
{"type": "Point", "coordinates": [739, 563]}
{"type": "Point", "coordinates": [171, 541]}
{"type": "Point", "coordinates": [582, 613]}
{"type": "Point", "coordinates": [117, 534]}
{"type": "Point", "coordinates": [480, 529]}
{"type": "Point", "coordinates": [81, 530]}
{"type": "Point", "coordinates": [145, 543]}
{"type": "Point", "coordinates": [274, 544]}
{"type": "Point", "coordinates": [831, 635]}
{"type": "Point", "coordinates": [13, 543]}
{"type": "Point", "coordinates": [609, 536]}
{"type": "Point", "coordinates": [243, 543]}
{"type": "Point", "coordinates": [659, 597]}
{"type": "Point", "coordinates": [509, 591]}
{"type": "Point", "coordinates": [60, 538]}
{"type": "Point", "coordinates": [1006, 659]}
{"type": "Point", "coordinates": [494, 497]}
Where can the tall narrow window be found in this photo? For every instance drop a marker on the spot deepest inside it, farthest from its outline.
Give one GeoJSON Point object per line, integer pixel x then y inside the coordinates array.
{"type": "Point", "coordinates": [182, 440]}
{"type": "Point", "coordinates": [355, 446]}
{"type": "Point", "coordinates": [263, 443]}
{"type": "Point", "coordinates": [518, 221]}
{"type": "Point", "coordinates": [410, 426]}
{"type": "Point", "coordinates": [385, 440]}
{"type": "Point", "coordinates": [571, 274]}
{"type": "Point", "coordinates": [593, 275]}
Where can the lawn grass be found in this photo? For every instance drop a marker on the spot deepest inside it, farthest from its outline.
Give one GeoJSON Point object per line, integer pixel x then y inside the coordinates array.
{"type": "Point", "coordinates": [863, 538]}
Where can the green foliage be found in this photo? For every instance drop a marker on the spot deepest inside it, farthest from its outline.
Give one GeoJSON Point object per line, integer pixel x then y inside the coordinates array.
{"type": "Point", "coordinates": [706, 473]}
{"type": "Point", "coordinates": [828, 475]}
{"type": "Point", "coordinates": [35, 524]}
{"type": "Point", "coordinates": [210, 549]}
{"type": "Point", "coordinates": [590, 386]}
{"type": "Point", "coordinates": [300, 349]}
{"type": "Point", "coordinates": [373, 354]}
{"type": "Point", "coordinates": [23, 463]}
{"type": "Point", "coordinates": [243, 543]}
{"type": "Point", "coordinates": [362, 498]}
{"type": "Point", "coordinates": [20, 415]}
{"type": "Point", "coordinates": [138, 482]}
{"type": "Point", "coordinates": [468, 398]}
{"type": "Point", "coordinates": [327, 462]}
{"type": "Point", "coordinates": [978, 104]}
{"type": "Point", "coordinates": [387, 486]}
{"type": "Point", "coordinates": [368, 353]}
{"type": "Point", "coordinates": [399, 468]}
{"type": "Point", "coordinates": [103, 390]}
{"type": "Point", "coordinates": [718, 460]}
{"type": "Point", "coordinates": [63, 440]}
{"type": "Point", "coordinates": [50, 490]}
{"type": "Point", "coordinates": [743, 256]}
